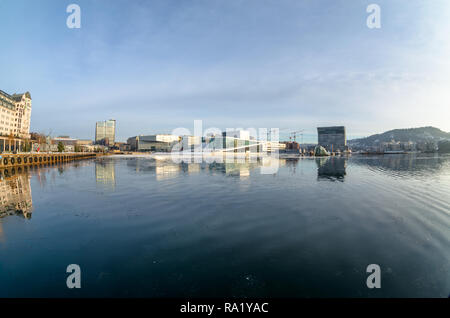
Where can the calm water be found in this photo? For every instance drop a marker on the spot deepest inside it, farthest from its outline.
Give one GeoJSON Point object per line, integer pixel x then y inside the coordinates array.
{"type": "Point", "coordinates": [146, 228]}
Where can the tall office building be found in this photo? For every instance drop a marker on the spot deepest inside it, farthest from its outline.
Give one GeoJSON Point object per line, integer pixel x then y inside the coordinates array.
{"type": "Point", "coordinates": [332, 138]}
{"type": "Point", "coordinates": [105, 132]}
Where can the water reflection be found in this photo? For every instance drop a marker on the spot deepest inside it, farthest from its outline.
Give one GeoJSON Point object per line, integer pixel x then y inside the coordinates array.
{"type": "Point", "coordinates": [233, 169]}
{"type": "Point", "coordinates": [291, 164]}
{"type": "Point", "coordinates": [105, 173]}
{"type": "Point", "coordinates": [166, 169]}
{"type": "Point", "coordinates": [15, 186]}
{"type": "Point", "coordinates": [405, 165]}
{"type": "Point", "coordinates": [331, 168]}
{"type": "Point", "coordinates": [194, 168]}
{"type": "Point", "coordinates": [15, 194]}
{"type": "Point", "coordinates": [328, 168]}
{"type": "Point", "coordinates": [269, 234]}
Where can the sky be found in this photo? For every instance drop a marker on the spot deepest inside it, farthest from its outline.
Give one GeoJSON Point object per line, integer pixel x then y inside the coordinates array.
{"type": "Point", "coordinates": [158, 65]}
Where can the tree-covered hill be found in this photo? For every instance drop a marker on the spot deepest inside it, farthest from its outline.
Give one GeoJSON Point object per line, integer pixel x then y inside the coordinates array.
{"type": "Point", "coordinates": [422, 134]}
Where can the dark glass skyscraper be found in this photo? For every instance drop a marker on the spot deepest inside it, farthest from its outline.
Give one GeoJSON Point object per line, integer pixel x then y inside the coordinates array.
{"type": "Point", "coordinates": [332, 138]}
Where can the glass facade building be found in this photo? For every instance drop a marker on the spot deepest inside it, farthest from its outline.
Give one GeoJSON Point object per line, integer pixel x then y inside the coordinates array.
{"type": "Point", "coordinates": [332, 138]}
{"type": "Point", "coordinates": [105, 132]}
{"type": "Point", "coordinates": [163, 143]}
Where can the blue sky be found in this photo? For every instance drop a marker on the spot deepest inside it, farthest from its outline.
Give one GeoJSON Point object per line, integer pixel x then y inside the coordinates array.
{"type": "Point", "coordinates": [158, 65]}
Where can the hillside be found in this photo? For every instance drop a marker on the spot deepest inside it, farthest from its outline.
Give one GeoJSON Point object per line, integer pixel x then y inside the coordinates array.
{"type": "Point", "coordinates": [416, 135]}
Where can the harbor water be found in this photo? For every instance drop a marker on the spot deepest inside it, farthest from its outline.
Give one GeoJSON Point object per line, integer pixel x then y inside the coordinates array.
{"type": "Point", "coordinates": [140, 227]}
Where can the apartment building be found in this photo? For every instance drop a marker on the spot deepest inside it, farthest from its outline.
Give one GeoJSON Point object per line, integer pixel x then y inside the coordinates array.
{"type": "Point", "coordinates": [15, 118]}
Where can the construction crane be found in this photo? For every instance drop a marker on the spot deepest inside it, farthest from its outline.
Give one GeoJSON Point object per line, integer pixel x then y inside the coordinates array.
{"type": "Point", "coordinates": [270, 130]}
{"type": "Point", "coordinates": [293, 135]}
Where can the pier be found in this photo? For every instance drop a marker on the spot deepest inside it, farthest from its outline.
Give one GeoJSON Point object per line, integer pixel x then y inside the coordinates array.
{"type": "Point", "coordinates": [29, 159]}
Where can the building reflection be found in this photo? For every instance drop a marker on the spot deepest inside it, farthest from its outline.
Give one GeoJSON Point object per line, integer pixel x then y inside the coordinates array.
{"type": "Point", "coordinates": [163, 169]}
{"type": "Point", "coordinates": [331, 168]}
{"type": "Point", "coordinates": [405, 164]}
{"type": "Point", "coordinates": [291, 164]}
{"type": "Point", "coordinates": [105, 173]}
{"type": "Point", "coordinates": [234, 169]}
{"type": "Point", "coordinates": [166, 170]}
{"type": "Point", "coordinates": [15, 194]}
{"type": "Point", "coordinates": [194, 168]}
{"type": "Point", "coordinates": [241, 170]}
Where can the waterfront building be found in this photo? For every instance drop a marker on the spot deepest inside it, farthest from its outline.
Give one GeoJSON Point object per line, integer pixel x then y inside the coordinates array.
{"type": "Point", "coordinates": [70, 144]}
{"type": "Point", "coordinates": [427, 146]}
{"type": "Point", "coordinates": [15, 117]}
{"type": "Point", "coordinates": [65, 140]}
{"type": "Point", "coordinates": [190, 143]}
{"type": "Point", "coordinates": [273, 146]}
{"type": "Point", "coordinates": [230, 141]}
{"type": "Point", "coordinates": [241, 141]}
{"type": "Point", "coordinates": [237, 134]}
{"type": "Point", "coordinates": [123, 146]}
{"type": "Point", "coordinates": [105, 132]}
{"type": "Point", "coordinates": [84, 145]}
{"type": "Point", "coordinates": [84, 142]}
{"type": "Point", "coordinates": [162, 142]}
{"type": "Point", "coordinates": [397, 146]}
{"type": "Point", "coordinates": [332, 138]}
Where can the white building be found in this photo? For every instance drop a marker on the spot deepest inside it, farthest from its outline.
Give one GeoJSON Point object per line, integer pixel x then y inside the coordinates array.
{"type": "Point", "coordinates": [189, 143]}
{"type": "Point", "coordinates": [15, 117]}
{"type": "Point", "coordinates": [153, 142]}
